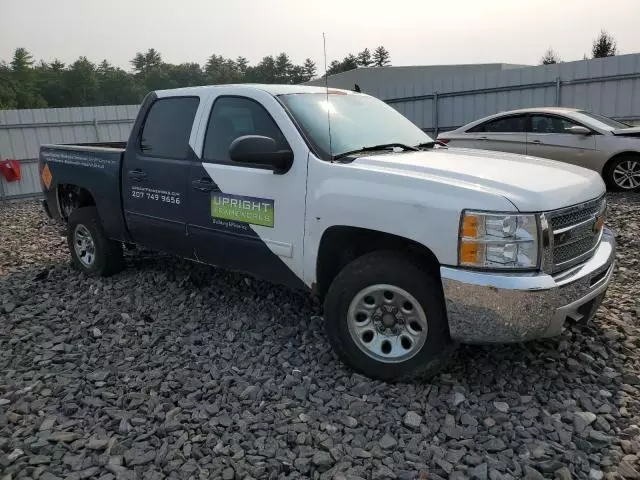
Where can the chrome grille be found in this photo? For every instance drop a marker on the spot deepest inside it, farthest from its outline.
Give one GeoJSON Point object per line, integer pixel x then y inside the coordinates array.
{"type": "Point", "coordinates": [573, 237]}
{"type": "Point", "coordinates": [574, 218]}
{"type": "Point", "coordinates": [568, 252]}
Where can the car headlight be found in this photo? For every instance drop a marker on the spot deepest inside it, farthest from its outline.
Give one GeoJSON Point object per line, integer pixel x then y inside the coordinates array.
{"type": "Point", "coordinates": [498, 241]}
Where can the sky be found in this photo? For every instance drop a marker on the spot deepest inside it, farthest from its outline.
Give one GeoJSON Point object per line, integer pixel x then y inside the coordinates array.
{"type": "Point", "coordinates": [416, 32]}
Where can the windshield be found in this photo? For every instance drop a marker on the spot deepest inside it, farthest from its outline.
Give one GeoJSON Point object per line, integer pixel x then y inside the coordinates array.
{"type": "Point", "coordinates": [357, 121]}
{"type": "Point", "coordinates": [605, 123]}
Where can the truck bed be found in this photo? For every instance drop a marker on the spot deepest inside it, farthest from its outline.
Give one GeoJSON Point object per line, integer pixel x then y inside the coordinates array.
{"type": "Point", "coordinates": [94, 167]}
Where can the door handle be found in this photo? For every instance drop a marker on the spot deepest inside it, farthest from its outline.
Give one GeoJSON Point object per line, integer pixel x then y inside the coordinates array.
{"type": "Point", "coordinates": [205, 185]}
{"type": "Point", "coordinates": [137, 175]}
{"type": "Point", "coordinates": [536, 141]}
{"type": "Point", "coordinates": [483, 138]}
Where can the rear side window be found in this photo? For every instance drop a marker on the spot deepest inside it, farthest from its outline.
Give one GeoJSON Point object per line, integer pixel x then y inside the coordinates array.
{"type": "Point", "coordinates": [550, 124]}
{"type": "Point", "coordinates": [167, 127]}
{"type": "Point", "coordinates": [233, 117]}
{"type": "Point", "coordinates": [514, 124]}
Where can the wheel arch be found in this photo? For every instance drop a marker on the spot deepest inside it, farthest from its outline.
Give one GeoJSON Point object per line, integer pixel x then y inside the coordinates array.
{"type": "Point", "coordinates": [341, 244]}
{"type": "Point", "coordinates": [71, 197]}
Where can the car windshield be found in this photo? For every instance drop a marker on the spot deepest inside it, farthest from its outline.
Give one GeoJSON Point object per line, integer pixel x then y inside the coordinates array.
{"type": "Point", "coordinates": [605, 123]}
{"type": "Point", "coordinates": [357, 121]}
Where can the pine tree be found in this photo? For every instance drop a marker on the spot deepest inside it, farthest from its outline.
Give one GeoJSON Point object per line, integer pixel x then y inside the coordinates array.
{"type": "Point", "coordinates": [364, 58]}
{"type": "Point", "coordinates": [381, 57]}
{"type": "Point", "coordinates": [309, 68]}
{"type": "Point", "coordinates": [56, 65]}
{"type": "Point", "coordinates": [104, 67]}
{"type": "Point", "coordinates": [550, 57]}
{"type": "Point", "coordinates": [604, 46]}
{"type": "Point", "coordinates": [152, 58]}
{"type": "Point", "coordinates": [349, 62]}
{"type": "Point", "coordinates": [283, 68]}
{"type": "Point", "coordinates": [24, 80]}
{"type": "Point", "coordinates": [22, 60]}
{"type": "Point", "coordinates": [242, 64]}
{"type": "Point", "coordinates": [143, 62]}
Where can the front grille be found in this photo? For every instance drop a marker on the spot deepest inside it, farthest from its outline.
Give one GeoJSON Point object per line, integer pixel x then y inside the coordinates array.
{"type": "Point", "coordinates": [574, 215]}
{"type": "Point", "coordinates": [572, 232]}
{"type": "Point", "coordinates": [566, 253]}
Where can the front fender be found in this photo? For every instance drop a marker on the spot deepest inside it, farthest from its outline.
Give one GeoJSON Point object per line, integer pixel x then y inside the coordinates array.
{"type": "Point", "coordinates": [425, 211]}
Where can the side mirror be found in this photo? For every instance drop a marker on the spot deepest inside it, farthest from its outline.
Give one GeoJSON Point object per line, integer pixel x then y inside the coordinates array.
{"type": "Point", "coordinates": [579, 130]}
{"type": "Point", "coordinates": [261, 151]}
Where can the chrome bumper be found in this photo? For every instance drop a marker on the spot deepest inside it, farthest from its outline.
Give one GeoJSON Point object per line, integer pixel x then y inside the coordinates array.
{"type": "Point", "coordinates": [513, 307]}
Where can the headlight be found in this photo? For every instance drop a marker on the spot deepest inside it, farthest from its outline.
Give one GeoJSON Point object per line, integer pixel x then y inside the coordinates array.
{"type": "Point", "coordinates": [498, 241]}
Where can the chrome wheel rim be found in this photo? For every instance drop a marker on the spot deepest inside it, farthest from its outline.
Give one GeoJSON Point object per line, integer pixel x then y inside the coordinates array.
{"type": "Point", "coordinates": [626, 175]}
{"type": "Point", "coordinates": [387, 323]}
{"type": "Point", "coordinates": [84, 245]}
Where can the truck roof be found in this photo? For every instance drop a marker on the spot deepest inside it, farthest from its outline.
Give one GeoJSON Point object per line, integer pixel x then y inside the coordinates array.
{"type": "Point", "coordinates": [272, 89]}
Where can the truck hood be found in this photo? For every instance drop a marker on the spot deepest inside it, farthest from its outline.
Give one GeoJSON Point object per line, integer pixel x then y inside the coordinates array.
{"type": "Point", "coordinates": [532, 184]}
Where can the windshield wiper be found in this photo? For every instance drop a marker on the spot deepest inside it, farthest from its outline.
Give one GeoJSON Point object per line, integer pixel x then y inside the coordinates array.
{"type": "Point", "coordinates": [374, 148]}
{"type": "Point", "coordinates": [431, 144]}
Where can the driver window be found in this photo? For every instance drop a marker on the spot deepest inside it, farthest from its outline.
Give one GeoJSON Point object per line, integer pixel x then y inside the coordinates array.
{"type": "Point", "coordinates": [233, 117]}
{"type": "Point", "coordinates": [550, 124]}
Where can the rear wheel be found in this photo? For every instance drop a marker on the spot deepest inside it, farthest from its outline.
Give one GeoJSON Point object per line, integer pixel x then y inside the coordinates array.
{"type": "Point", "coordinates": [91, 250]}
{"type": "Point", "coordinates": [385, 317]}
{"type": "Point", "coordinates": [623, 173]}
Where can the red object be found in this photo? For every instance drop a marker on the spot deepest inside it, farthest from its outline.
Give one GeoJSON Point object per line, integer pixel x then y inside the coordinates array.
{"type": "Point", "coordinates": [11, 170]}
{"type": "Point", "coordinates": [444, 140]}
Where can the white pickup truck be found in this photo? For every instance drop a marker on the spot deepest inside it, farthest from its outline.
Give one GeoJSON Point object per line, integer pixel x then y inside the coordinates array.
{"type": "Point", "coordinates": [412, 246]}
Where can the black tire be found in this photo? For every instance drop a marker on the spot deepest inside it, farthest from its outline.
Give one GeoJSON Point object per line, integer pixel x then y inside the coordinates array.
{"type": "Point", "coordinates": [609, 175]}
{"type": "Point", "coordinates": [107, 254]}
{"type": "Point", "coordinates": [399, 270]}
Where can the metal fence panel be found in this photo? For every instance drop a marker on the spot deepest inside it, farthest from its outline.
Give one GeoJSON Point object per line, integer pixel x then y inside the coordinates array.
{"type": "Point", "coordinates": [23, 131]}
{"type": "Point", "coordinates": [610, 86]}
{"type": "Point", "coordinates": [28, 186]}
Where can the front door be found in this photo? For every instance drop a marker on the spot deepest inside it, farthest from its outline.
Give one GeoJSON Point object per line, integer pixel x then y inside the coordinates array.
{"type": "Point", "coordinates": [242, 216]}
{"type": "Point", "coordinates": [548, 137]}
{"type": "Point", "coordinates": [155, 174]}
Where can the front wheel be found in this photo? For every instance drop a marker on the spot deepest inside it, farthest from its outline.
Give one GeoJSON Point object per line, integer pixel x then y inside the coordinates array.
{"type": "Point", "coordinates": [623, 173]}
{"type": "Point", "coordinates": [91, 250]}
{"type": "Point", "coordinates": [385, 317]}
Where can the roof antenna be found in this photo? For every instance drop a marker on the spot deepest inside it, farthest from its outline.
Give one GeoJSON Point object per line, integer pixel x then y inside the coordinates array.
{"type": "Point", "coordinates": [326, 86]}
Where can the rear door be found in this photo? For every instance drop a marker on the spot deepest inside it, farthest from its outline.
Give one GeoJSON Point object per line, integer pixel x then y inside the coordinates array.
{"type": "Point", "coordinates": [548, 137]}
{"type": "Point", "coordinates": [461, 139]}
{"type": "Point", "coordinates": [155, 175]}
{"type": "Point", "coordinates": [243, 216]}
{"type": "Point", "coordinates": [504, 134]}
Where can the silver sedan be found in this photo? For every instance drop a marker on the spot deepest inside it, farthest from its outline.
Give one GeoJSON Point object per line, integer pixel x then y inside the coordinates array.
{"type": "Point", "coordinates": [569, 135]}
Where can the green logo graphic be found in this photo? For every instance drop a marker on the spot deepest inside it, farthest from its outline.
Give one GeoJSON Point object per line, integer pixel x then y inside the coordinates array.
{"type": "Point", "coordinates": [255, 211]}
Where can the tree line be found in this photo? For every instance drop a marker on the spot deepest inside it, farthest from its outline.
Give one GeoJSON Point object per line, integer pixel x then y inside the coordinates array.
{"type": "Point", "coordinates": [27, 84]}
{"type": "Point", "coordinates": [603, 46]}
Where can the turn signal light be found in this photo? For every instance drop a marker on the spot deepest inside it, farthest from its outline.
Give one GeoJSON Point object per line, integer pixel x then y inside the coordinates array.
{"type": "Point", "coordinates": [470, 252]}
{"type": "Point", "coordinates": [470, 226]}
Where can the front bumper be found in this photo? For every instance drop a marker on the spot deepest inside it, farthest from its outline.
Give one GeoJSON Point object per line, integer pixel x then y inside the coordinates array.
{"type": "Point", "coordinates": [487, 307]}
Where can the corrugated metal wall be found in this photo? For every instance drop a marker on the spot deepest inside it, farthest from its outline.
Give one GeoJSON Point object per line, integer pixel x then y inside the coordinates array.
{"type": "Point", "coordinates": [23, 131]}
{"type": "Point", "coordinates": [609, 86]}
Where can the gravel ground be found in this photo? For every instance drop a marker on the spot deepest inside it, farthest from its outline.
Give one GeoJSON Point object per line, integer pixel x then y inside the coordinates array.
{"type": "Point", "coordinates": [176, 370]}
